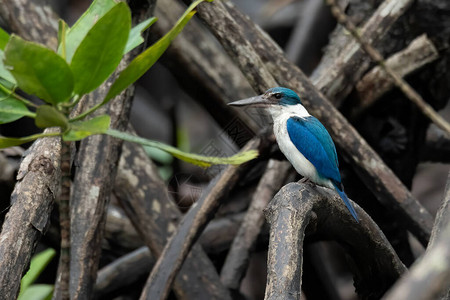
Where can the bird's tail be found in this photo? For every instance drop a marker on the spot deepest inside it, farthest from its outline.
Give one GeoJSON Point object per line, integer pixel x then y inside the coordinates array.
{"type": "Point", "coordinates": [346, 201]}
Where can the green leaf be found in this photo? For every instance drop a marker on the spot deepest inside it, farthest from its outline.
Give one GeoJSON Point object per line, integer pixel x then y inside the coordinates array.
{"type": "Point", "coordinates": [38, 70]}
{"type": "Point", "coordinates": [37, 265]}
{"type": "Point", "coordinates": [49, 116]}
{"type": "Point", "coordinates": [135, 38]}
{"type": "Point", "coordinates": [6, 142]}
{"type": "Point", "coordinates": [101, 50]}
{"type": "Point", "coordinates": [81, 129]}
{"type": "Point", "coordinates": [37, 292]}
{"type": "Point", "coordinates": [4, 37]}
{"type": "Point", "coordinates": [62, 33]}
{"type": "Point", "coordinates": [4, 73]}
{"type": "Point", "coordinates": [12, 109]}
{"type": "Point", "coordinates": [6, 85]}
{"type": "Point", "coordinates": [200, 160]}
{"type": "Point", "coordinates": [76, 34]}
{"type": "Point", "coordinates": [146, 59]}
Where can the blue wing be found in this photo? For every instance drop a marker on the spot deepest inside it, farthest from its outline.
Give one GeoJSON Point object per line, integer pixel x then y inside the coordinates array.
{"type": "Point", "coordinates": [312, 139]}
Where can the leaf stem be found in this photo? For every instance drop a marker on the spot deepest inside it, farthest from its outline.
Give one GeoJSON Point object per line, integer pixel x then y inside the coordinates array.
{"type": "Point", "coordinates": [200, 160]}
{"type": "Point", "coordinates": [85, 113]}
{"type": "Point", "coordinates": [17, 97]}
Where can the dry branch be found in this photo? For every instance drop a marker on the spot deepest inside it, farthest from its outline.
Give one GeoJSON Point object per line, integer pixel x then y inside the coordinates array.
{"type": "Point", "coordinates": [429, 278]}
{"type": "Point", "coordinates": [96, 165]}
{"type": "Point", "coordinates": [339, 78]}
{"type": "Point", "coordinates": [378, 177]}
{"type": "Point", "coordinates": [376, 82]}
{"type": "Point", "coordinates": [124, 271]}
{"type": "Point", "coordinates": [376, 264]}
{"type": "Point", "coordinates": [437, 146]}
{"type": "Point", "coordinates": [31, 205]}
{"type": "Point", "coordinates": [240, 49]}
{"type": "Point", "coordinates": [238, 257]}
{"type": "Point", "coordinates": [39, 173]}
{"type": "Point", "coordinates": [127, 269]}
{"type": "Point", "coordinates": [145, 199]}
{"type": "Point", "coordinates": [33, 22]}
{"type": "Point", "coordinates": [177, 248]}
{"type": "Point", "coordinates": [409, 92]}
{"type": "Point", "coordinates": [205, 72]}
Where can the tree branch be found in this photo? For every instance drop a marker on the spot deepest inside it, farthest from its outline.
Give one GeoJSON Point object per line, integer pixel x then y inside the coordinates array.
{"type": "Point", "coordinates": [238, 257]}
{"type": "Point", "coordinates": [295, 207]}
{"type": "Point", "coordinates": [28, 217]}
{"type": "Point", "coordinates": [145, 199]}
{"type": "Point", "coordinates": [191, 226]}
{"type": "Point", "coordinates": [409, 92]}
{"type": "Point", "coordinates": [339, 77]}
{"type": "Point", "coordinates": [377, 82]}
{"type": "Point", "coordinates": [127, 269]}
{"type": "Point", "coordinates": [39, 173]}
{"type": "Point", "coordinates": [96, 165]}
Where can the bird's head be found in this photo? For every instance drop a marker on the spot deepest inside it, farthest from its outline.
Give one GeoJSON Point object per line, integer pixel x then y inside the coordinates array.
{"type": "Point", "coordinates": [277, 96]}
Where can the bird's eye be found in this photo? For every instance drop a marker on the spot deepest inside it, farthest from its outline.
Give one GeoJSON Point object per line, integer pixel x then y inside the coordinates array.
{"type": "Point", "coordinates": [278, 95]}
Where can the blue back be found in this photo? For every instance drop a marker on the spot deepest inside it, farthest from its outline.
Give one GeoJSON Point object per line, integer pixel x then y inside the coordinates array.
{"type": "Point", "coordinates": [312, 139]}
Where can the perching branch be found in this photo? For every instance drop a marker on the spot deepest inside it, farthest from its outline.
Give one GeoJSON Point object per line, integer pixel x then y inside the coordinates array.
{"type": "Point", "coordinates": [295, 207]}
{"type": "Point", "coordinates": [398, 81]}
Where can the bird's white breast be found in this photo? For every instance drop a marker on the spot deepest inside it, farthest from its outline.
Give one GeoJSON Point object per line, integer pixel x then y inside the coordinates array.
{"type": "Point", "coordinates": [302, 165]}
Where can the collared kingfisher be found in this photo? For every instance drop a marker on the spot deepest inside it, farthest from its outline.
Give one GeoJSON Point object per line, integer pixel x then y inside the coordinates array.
{"type": "Point", "coordinates": [302, 138]}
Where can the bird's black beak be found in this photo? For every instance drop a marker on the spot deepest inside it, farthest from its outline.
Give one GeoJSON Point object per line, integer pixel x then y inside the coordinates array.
{"type": "Point", "coordinates": [257, 101]}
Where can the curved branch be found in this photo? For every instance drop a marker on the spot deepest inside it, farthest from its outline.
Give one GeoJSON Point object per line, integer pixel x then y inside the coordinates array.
{"type": "Point", "coordinates": [296, 206]}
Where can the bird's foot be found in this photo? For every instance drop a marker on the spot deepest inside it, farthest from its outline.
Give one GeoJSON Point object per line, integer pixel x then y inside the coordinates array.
{"type": "Point", "coordinates": [305, 180]}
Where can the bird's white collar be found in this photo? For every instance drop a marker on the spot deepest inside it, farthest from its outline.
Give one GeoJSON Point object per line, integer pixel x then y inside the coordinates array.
{"type": "Point", "coordinates": [297, 110]}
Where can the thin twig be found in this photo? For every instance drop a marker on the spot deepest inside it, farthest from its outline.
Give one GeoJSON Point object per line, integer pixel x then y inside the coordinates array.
{"type": "Point", "coordinates": [376, 82]}
{"type": "Point", "coordinates": [345, 62]}
{"type": "Point", "coordinates": [398, 81]}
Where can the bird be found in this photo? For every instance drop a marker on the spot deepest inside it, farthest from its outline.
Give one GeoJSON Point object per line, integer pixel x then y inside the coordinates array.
{"type": "Point", "coordinates": [302, 139]}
